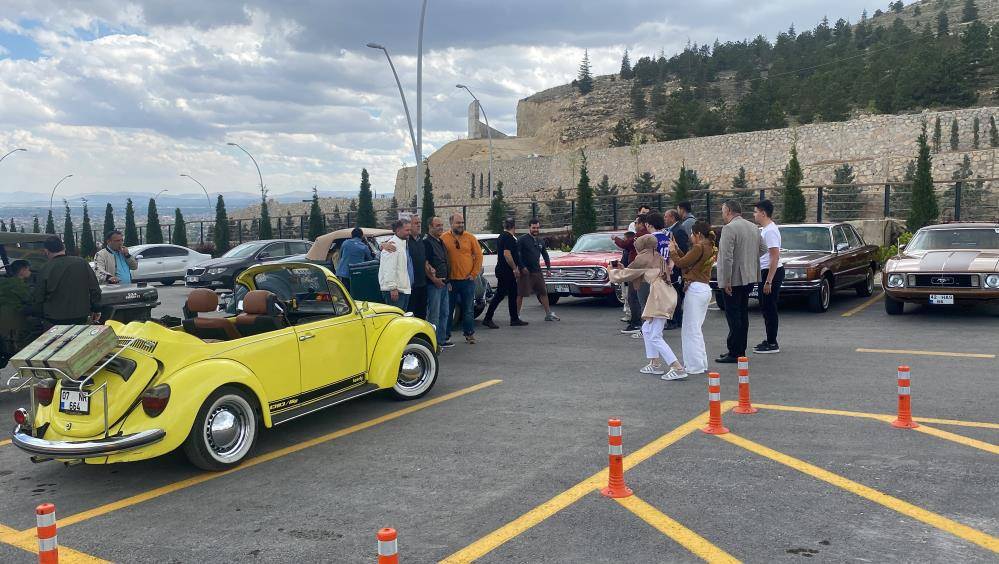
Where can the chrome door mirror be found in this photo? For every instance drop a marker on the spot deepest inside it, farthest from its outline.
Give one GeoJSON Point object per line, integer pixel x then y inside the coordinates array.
{"type": "Point", "coordinates": [842, 247]}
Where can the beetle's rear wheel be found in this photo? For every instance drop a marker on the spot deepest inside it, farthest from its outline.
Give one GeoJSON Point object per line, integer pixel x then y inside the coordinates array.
{"type": "Point", "coordinates": [224, 431]}
{"type": "Point", "coordinates": [417, 371]}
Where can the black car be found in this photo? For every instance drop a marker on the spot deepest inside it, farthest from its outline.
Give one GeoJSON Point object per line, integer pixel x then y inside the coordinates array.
{"type": "Point", "coordinates": [220, 273]}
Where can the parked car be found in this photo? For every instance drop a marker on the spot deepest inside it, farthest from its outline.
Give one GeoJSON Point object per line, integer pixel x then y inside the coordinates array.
{"type": "Point", "coordinates": [220, 273]}
{"type": "Point", "coordinates": [820, 259]}
{"type": "Point", "coordinates": [955, 263]}
{"type": "Point", "coordinates": [209, 386]}
{"type": "Point", "coordinates": [582, 272]}
{"type": "Point", "coordinates": [165, 264]}
{"type": "Point", "coordinates": [488, 242]}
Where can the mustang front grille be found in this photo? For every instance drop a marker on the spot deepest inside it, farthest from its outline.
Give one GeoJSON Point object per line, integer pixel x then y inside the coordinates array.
{"type": "Point", "coordinates": [944, 281]}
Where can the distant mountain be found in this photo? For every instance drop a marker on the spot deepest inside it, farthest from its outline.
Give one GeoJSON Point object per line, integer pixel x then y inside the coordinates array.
{"type": "Point", "coordinates": [166, 200]}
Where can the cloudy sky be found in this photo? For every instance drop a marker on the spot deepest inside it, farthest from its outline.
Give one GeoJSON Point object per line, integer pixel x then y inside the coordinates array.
{"type": "Point", "coordinates": [129, 95]}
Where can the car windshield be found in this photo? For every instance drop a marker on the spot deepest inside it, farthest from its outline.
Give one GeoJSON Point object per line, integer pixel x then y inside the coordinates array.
{"type": "Point", "coordinates": [956, 239]}
{"type": "Point", "coordinates": [595, 243]}
{"type": "Point", "coordinates": [244, 250]}
{"type": "Point", "coordinates": [805, 239]}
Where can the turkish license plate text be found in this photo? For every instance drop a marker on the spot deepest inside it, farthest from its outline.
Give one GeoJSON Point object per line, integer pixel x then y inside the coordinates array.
{"type": "Point", "coordinates": [942, 299]}
{"type": "Point", "coordinates": [74, 401]}
{"type": "Point", "coordinates": [562, 288]}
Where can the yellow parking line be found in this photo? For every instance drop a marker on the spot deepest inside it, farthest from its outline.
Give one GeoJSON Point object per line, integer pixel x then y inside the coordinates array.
{"type": "Point", "coordinates": [965, 532]}
{"type": "Point", "coordinates": [29, 541]}
{"type": "Point", "coordinates": [928, 353]}
{"type": "Point", "coordinates": [521, 524]}
{"type": "Point", "coordinates": [864, 305]}
{"type": "Point", "coordinates": [682, 535]}
{"type": "Point", "coordinates": [878, 416]}
{"type": "Point", "coordinates": [4, 442]}
{"type": "Point", "coordinates": [267, 457]}
{"type": "Point", "coordinates": [960, 439]}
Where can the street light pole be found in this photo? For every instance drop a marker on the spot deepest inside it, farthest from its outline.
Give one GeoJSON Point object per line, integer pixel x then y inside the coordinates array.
{"type": "Point", "coordinates": [11, 153]}
{"type": "Point", "coordinates": [203, 189]}
{"type": "Point", "coordinates": [160, 192]}
{"type": "Point", "coordinates": [405, 106]}
{"type": "Point", "coordinates": [263, 193]}
{"type": "Point", "coordinates": [489, 135]}
{"type": "Point", "coordinates": [52, 195]}
{"type": "Point", "coordinates": [419, 109]}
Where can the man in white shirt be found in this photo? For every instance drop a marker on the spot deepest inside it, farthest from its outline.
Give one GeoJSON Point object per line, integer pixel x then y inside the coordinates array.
{"type": "Point", "coordinates": [395, 269]}
{"type": "Point", "coordinates": [772, 274]}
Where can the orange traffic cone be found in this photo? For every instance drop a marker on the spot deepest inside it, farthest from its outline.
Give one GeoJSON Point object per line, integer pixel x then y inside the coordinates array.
{"type": "Point", "coordinates": [615, 466]}
{"type": "Point", "coordinates": [48, 545]}
{"type": "Point", "coordinates": [744, 407]}
{"type": "Point", "coordinates": [904, 420]}
{"type": "Point", "coordinates": [715, 426]}
{"type": "Point", "coordinates": [388, 547]}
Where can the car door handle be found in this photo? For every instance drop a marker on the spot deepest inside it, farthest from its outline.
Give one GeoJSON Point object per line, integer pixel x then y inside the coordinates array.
{"type": "Point", "coordinates": [306, 337]}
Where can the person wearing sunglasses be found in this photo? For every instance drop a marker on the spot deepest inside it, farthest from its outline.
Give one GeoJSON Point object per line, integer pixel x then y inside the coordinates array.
{"type": "Point", "coordinates": [464, 264]}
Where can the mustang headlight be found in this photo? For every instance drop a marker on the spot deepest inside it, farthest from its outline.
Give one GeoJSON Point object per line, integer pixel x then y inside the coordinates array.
{"type": "Point", "coordinates": [896, 280]}
{"type": "Point", "coordinates": [217, 270]}
{"type": "Point", "coordinates": [795, 274]}
{"type": "Point", "coordinates": [992, 281]}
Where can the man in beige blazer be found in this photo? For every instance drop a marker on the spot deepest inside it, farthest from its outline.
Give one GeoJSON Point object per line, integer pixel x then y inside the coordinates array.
{"type": "Point", "coordinates": [739, 253]}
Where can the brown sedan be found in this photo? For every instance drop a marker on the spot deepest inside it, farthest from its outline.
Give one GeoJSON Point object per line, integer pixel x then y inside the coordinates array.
{"type": "Point", "coordinates": [944, 264]}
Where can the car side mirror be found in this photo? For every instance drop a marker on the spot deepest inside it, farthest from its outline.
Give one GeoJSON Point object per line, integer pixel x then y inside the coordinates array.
{"type": "Point", "coordinates": [842, 247]}
{"type": "Point", "coordinates": [263, 255]}
{"type": "Point", "coordinates": [901, 247]}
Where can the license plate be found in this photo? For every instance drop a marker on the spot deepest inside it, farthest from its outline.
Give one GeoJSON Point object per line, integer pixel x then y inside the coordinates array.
{"type": "Point", "coordinates": [74, 401]}
{"type": "Point", "coordinates": [193, 279]}
{"type": "Point", "coordinates": [562, 288]}
{"type": "Point", "coordinates": [755, 292]}
{"type": "Point", "coordinates": [942, 299]}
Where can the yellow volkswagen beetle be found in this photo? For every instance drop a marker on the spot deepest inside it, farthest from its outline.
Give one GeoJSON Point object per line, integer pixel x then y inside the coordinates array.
{"type": "Point", "coordinates": [299, 343]}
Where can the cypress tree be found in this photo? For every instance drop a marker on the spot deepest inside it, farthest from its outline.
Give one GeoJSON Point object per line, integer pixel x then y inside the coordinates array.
{"type": "Point", "coordinates": [87, 244]}
{"type": "Point", "coordinates": [497, 210]}
{"type": "Point", "coordinates": [221, 233]}
{"type": "Point", "coordinates": [50, 224]}
{"type": "Point", "coordinates": [365, 206]}
{"type": "Point", "coordinates": [585, 220]}
{"type": "Point", "coordinates": [924, 200]}
{"type": "Point", "coordinates": [427, 212]}
{"type": "Point", "coordinates": [316, 227]}
{"type": "Point", "coordinates": [604, 194]}
{"type": "Point", "coordinates": [969, 12]}
{"type": "Point", "coordinates": [954, 139]}
{"type": "Point", "coordinates": [901, 196]}
{"type": "Point", "coordinates": [68, 238]}
{"type": "Point", "coordinates": [154, 232]}
{"type": "Point", "coordinates": [638, 108]}
{"type": "Point", "coordinates": [266, 232]}
{"type": "Point", "coordinates": [993, 132]}
{"type": "Point", "coordinates": [393, 210]}
{"type": "Point", "coordinates": [337, 218]}
{"type": "Point", "coordinates": [943, 24]}
{"type": "Point", "coordinates": [843, 201]}
{"type": "Point", "coordinates": [13, 228]}
{"type": "Point", "coordinates": [976, 126]}
{"type": "Point", "coordinates": [794, 199]}
{"type": "Point", "coordinates": [937, 135]}
{"type": "Point", "coordinates": [3, 226]}
{"type": "Point", "coordinates": [180, 228]}
{"type": "Point", "coordinates": [558, 209]}
{"type": "Point", "coordinates": [36, 226]}
{"type": "Point", "coordinates": [108, 219]}
{"type": "Point", "coordinates": [131, 231]}
{"type": "Point", "coordinates": [584, 80]}
{"type": "Point", "coordinates": [626, 66]}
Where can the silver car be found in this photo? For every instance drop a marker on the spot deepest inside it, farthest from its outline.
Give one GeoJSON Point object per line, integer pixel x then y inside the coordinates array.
{"type": "Point", "coordinates": [164, 263]}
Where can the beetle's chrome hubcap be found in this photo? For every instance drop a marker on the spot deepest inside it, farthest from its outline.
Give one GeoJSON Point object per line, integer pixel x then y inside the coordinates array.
{"type": "Point", "coordinates": [228, 428]}
{"type": "Point", "coordinates": [411, 369]}
{"type": "Point", "coordinates": [224, 429]}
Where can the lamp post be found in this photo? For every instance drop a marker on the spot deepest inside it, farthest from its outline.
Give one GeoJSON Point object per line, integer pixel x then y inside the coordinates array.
{"type": "Point", "coordinates": [203, 189]}
{"type": "Point", "coordinates": [263, 192]}
{"type": "Point", "coordinates": [52, 195]}
{"type": "Point", "coordinates": [409, 120]}
{"type": "Point", "coordinates": [160, 192]}
{"type": "Point", "coordinates": [489, 134]}
{"type": "Point", "coordinates": [9, 153]}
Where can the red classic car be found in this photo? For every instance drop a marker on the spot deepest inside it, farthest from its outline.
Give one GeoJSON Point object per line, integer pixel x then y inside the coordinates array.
{"type": "Point", "coordinates": [583, 271]}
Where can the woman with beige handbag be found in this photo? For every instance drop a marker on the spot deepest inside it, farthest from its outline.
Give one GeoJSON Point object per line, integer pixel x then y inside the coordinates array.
{"type": "Point", "coordinates": [649, 267]}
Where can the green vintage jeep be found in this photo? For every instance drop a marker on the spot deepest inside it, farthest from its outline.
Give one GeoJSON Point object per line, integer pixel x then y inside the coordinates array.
{"type": "Point", "coordinates": [125, 303]}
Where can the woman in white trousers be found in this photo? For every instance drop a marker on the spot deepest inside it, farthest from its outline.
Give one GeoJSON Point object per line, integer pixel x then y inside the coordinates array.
{"type": "Point", "coordinates": [695, 265]}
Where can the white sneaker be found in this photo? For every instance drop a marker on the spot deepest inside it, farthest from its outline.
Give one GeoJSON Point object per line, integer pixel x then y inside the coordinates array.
{"type": "Point", "coordinates": [552, 317]}
{"type": "Point", "coordinates": [636, 335]}
{"type": "Point", "coordinates": [674, 374]}
{"type": "Point", "coordinates": [652, 369]}
{"type": "Point", "coordinates": [626, 318]}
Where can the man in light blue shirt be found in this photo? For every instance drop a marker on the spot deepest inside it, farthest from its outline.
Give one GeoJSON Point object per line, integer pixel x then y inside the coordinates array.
{"type": "Point", "coordinates": [114, 264]}
{"type": "Point", "coordinates": [353, 251]}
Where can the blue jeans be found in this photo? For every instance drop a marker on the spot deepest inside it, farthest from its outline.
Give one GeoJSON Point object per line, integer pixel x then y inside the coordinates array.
{"type": "Point", "coordinates": [401, 303]}
{"type": "Point", "coordinates": [438, 311]}
{"type": "Point", "coordinates": [463, 296]}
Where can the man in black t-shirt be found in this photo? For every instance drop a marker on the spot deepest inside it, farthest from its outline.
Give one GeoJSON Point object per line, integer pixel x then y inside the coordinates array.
{"type": "Point", "coordinates": [532, 250]}
{"type": "Point", "coordinates": [507, 272]}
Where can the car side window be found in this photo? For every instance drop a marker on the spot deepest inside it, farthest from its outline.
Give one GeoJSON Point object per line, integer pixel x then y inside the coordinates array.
{"type": "Point", "coordinates": [276, 250]}
{"type": "Point", "coordinates": [839, 237]}
{"type": "Point", "coordinates": [300, 248]}
{"type": "Point", "coordinates": [174, 251]}
{"type": "Point", "coordinates": [851, 235]}
{"type": "Point", "coordinates": [153, 252]}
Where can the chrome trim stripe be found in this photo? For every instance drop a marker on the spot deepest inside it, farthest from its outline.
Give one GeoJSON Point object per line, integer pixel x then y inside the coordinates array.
{"type": "Point", "coordinates": [87, 448]}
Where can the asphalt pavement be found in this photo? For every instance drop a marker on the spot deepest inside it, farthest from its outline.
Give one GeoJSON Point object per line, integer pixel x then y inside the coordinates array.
{"type": "Point", "coordinates": [452, 470]}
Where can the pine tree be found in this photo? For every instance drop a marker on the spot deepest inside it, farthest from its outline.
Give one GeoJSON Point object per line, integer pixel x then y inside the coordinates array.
{"type": "Point", "coordinates": [365, 205]}
{"type": "Point", "coordinates": [924, 200]}
{"type": "Point", "coordinates": [180, 228]}
{"type": "Point", "coordinates": [969, 12]}
{"type": "Point", "coordinates": [36, 226]}
{"type": "Point", "coordinates": [584, 80]}
{"type": "Point", "coordinates": [626, 66]}
{"type": "Point", "coordinates": [585, 220]}
{"type": "Point", "coordinates": [794, 199]}
{"type": "Point", "coordinates": [740, 187]}
{"type": "Point", "coordinates": [622, 133]}
{"type": "Point", "coordinates": [954, 138]}
{"type": "Point", "coordinates": [638, 108]}
{"type": "Point", "coordinates": [497, 210]}
{"type": "Point", "coordinates": [352, 207]}
{"type": "Point", "coordinates": [68, 238]}
{"type": "Point", "coordinates": [943, 24]}
{"type": "Point", "coordinates": [657, 99]}
{"type": "Point", "coordinates": [131, 231]}
{"type": "Point", "coordinates": [604, 195]}
{"type": "Point", "coordinates": [393, 210]}
{"type": "Point", "coordinates": [50, 224]}
{"type": "Point", "coordinates": [976, 126]}
{"type": "Point", "coordinates": [559, 209]}
{"type": "Point", "coordinates": [646, 187]}
{"type": "Point", "coordinates": [686, 184]}
{"type": "Point", "coordinates": [87, 244]}
{"type": "Point", "coordinates": [221, 236]}
{"type": "Point", "coordinates": [843, 200]}
{"type": "Point", "coordinates": [937, 135]}
{"type": "Point", "coordinates": [154, 233]}
{"type": "Point", "coordinates": [108, 220]}
{"type": "Point", "coordinates": [266, 232]}
{"type": "Point", "coordinates": [427, 212]}
{"type": "Point", "coordinates": [316, 227]}
{"type": "Point", "coordinates": [993, 132]}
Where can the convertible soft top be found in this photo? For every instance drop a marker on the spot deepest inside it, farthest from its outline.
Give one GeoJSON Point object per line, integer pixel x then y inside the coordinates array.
{"type": "Point", "coordinates": [324, 242]}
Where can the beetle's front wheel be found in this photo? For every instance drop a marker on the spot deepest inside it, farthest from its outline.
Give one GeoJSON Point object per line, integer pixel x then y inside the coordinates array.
{"type": "Point", "coordinates": [417, 371]}
{"type": "Point", "coordinates": [224, 431]}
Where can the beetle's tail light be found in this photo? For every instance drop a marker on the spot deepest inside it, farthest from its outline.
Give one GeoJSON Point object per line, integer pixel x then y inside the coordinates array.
{"type": "Point", "coordinates": [155, 399]}
{"type": "Point", "coordinates": [45, 391]}
{"type": "Point", "coordinates": [21, 416]}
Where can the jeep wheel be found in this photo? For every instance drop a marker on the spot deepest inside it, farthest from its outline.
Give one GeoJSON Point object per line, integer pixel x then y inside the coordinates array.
{"type": "Point", "coordinates": [224, 431]}
{"type": "Point", "coordinates": [866, 288]}
{"type": "Point", "coordinates": [818, 302]}
{"type": "Point", "coordinates": [417, 371]}
{"type": "Point", "coordinates": [894, 307]}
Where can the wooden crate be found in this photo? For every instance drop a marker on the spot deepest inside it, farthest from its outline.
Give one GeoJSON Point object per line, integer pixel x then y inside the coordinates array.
{"type": "Point", "coordinates": [74, 349]}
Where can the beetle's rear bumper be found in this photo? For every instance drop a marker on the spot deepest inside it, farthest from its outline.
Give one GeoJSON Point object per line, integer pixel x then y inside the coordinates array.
{"type": "Point", "coordinates": [86, 448]}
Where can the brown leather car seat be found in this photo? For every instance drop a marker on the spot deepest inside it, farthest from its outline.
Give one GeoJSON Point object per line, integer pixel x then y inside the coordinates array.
{"type": "Point", "coordinates": [202, 300]}
{"type": "Point", "coordinates": [260, 314]}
